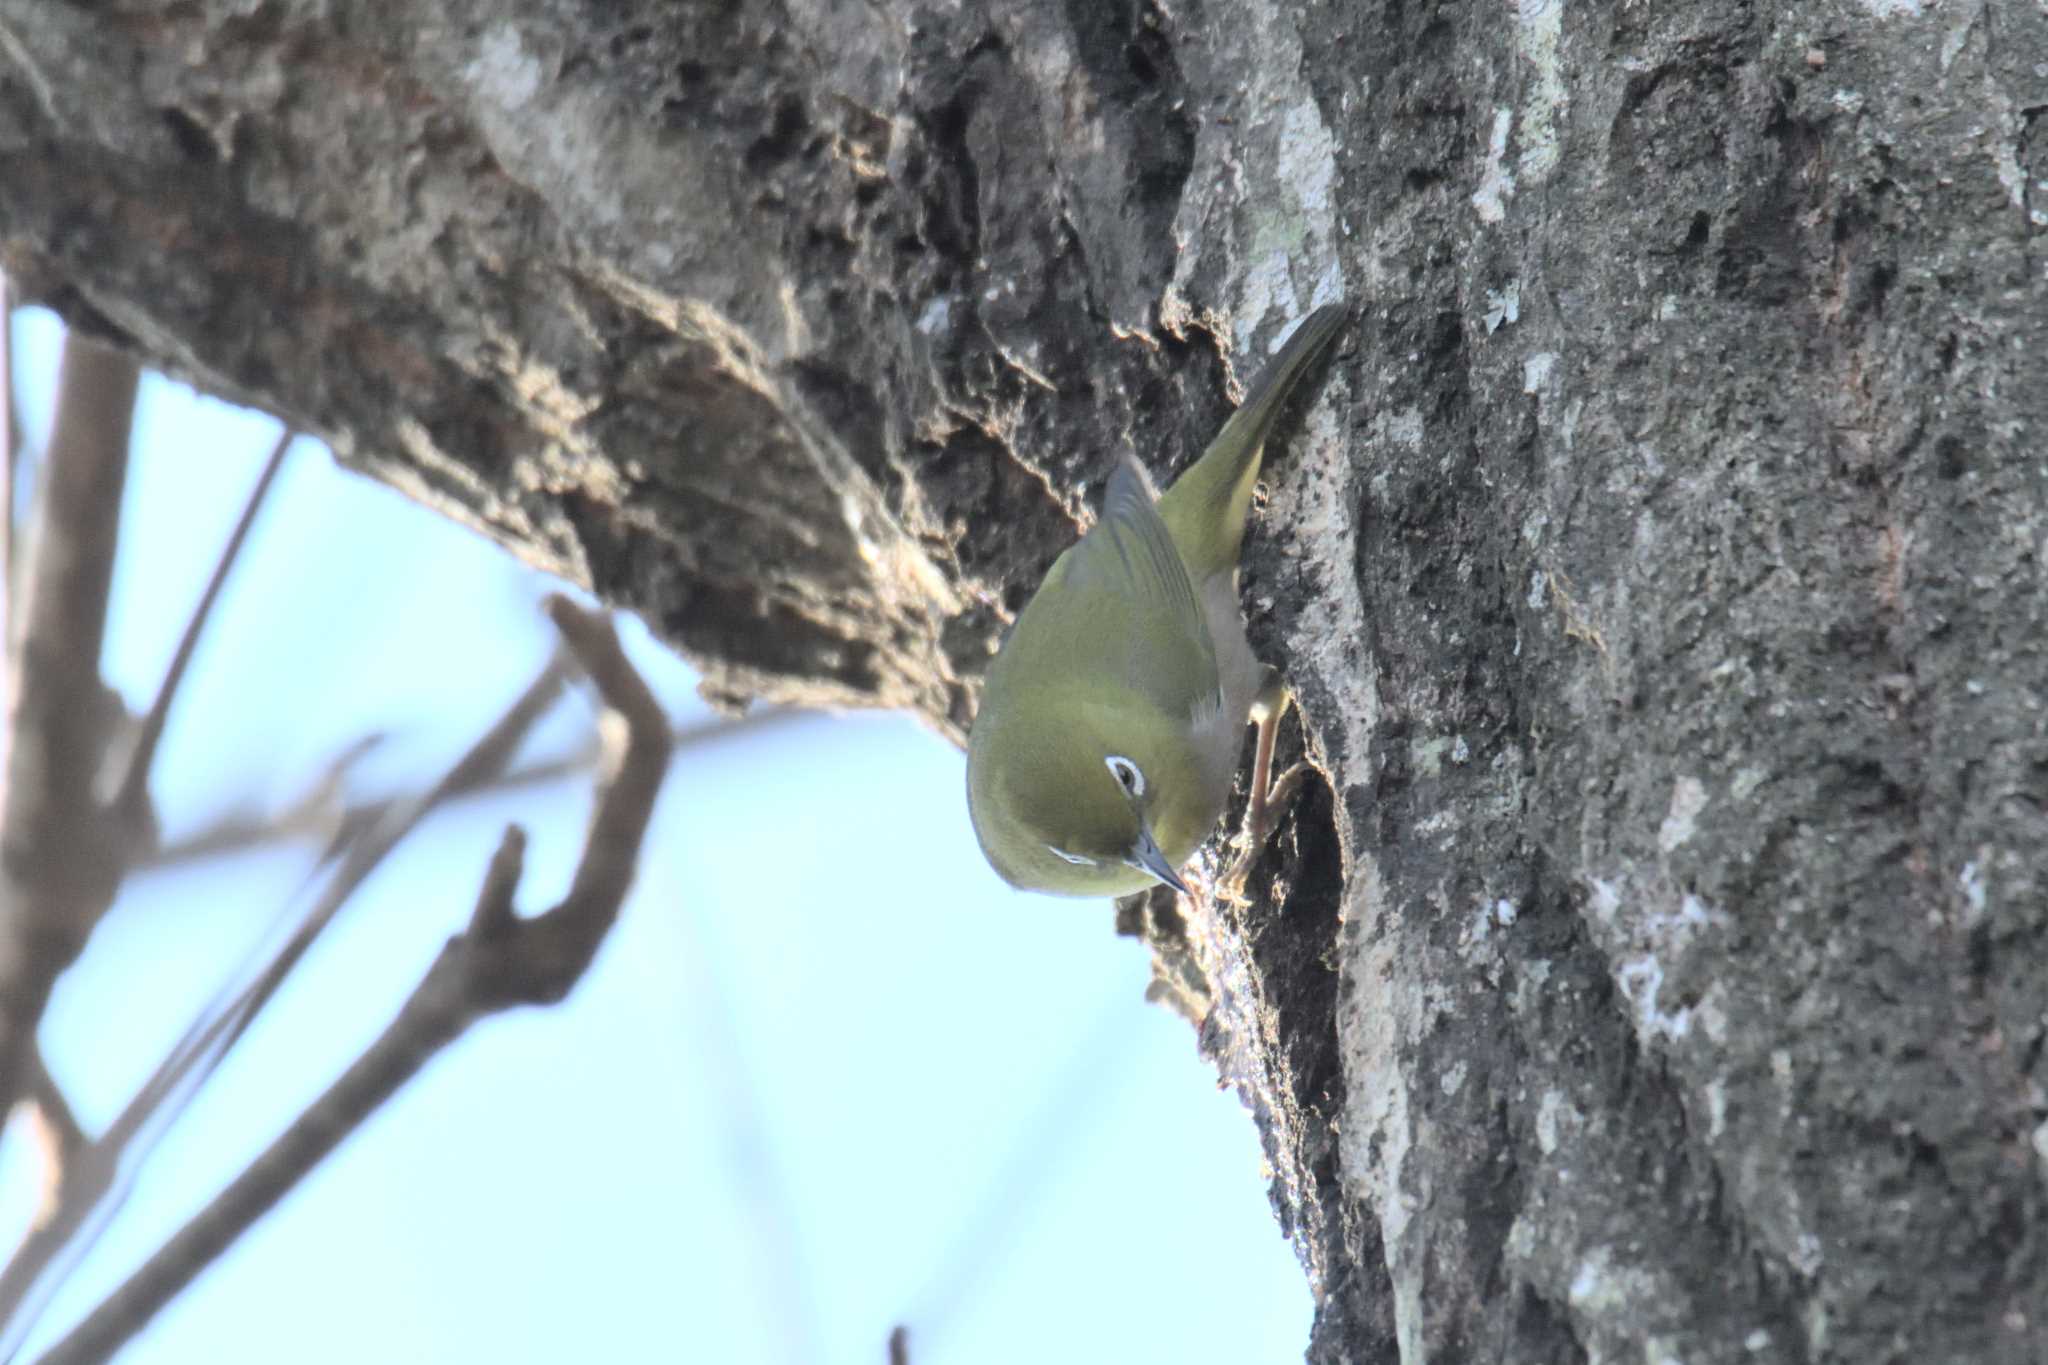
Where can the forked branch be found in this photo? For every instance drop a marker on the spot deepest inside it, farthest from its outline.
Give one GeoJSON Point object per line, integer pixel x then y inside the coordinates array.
{"type": "Point", "coordinates": [498, 962]}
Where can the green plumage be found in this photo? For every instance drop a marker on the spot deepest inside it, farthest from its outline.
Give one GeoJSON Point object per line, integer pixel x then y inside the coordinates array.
{"type": "Point", "coordinates": [1205, 508]}
{"type": "Point", "coordinates": [1131, 660]}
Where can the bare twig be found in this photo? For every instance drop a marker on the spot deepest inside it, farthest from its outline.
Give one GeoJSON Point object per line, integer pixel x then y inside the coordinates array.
{"type": "Point", "coordinates": [486, 759]}
{"type": "Point", "coordinates": [97, 1183]}
{"type": "Point", "coordinates": [318, 815]}
{"type": "Point", "coordinates": [10, 449]}
{"type": "Point", "coordinates": [899, 1346]}
{"type": "Point", "coordinates": [53, 1109]}
{"type": "Point", "coordinates": [131, 802]}
{"type": "Point", "coordinates": [498, 962]}
{"type": "Point", "coordinates": [314, 816]}
{"type": "Point", "coordinates": [1032, 1162]}
{"type": "Point", "coordinates": [501, 882]}
{"type": "Point", "coordinates": [57, 1132]}
{"type": "Point", "coordinates": [59, 860]}
{"type": "Point", "coordinates": [758, 1177]}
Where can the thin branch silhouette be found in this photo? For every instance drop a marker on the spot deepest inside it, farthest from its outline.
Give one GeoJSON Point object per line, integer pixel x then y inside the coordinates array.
{"type": "Point", "coordinates": [500, 961]}
{"type": "Point", "coordinates": [95, 1185]}
{"type": "Point", "coordinates": [132, 799]}
{"type": "Point", "coordinates": [60, 859]}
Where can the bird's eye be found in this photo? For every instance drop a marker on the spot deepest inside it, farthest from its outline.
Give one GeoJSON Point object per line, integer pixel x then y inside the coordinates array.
{"type": "Point", "coordinates": [1127, 774]}
{"type": "Point", "coordinates": [1078, 859]}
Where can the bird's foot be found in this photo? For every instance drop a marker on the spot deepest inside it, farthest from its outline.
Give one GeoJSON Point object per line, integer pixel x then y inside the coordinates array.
{"type": "Point", "coordinates": [1270, 796]}
{"type": "Point", "coordinates": [1260, 821]}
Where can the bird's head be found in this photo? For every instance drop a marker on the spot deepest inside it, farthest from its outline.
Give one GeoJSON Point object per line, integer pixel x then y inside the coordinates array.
{"type": "Point", "coordinates": [1075, 801]}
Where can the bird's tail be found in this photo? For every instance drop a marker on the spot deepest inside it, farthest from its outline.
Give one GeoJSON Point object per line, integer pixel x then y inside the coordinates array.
{"type": "Point", "coordinates": [1205, 508]}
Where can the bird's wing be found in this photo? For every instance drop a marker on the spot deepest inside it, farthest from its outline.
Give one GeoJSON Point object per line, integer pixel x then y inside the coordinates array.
{"type": "Point", "coordinates": [1147, 625]}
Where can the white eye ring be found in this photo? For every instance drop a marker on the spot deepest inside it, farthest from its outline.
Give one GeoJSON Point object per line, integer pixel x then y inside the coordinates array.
{"type": "Point", "coordinates": [1079, 860]}
{"type": "Point", "coordinates": [1127, 774]}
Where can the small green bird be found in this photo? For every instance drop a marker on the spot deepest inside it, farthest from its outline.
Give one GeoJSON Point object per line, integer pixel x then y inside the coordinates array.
{"type": "Point", "coordinates": [1109, 724]}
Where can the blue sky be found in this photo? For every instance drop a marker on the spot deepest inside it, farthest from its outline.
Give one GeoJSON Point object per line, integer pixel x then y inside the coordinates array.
{"type": "Point", "coordinates": [827, 1075]}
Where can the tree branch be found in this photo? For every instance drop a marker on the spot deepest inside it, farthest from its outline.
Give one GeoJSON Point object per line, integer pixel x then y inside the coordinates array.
{"type": "Point", "coordinates": [498, 962]}
{"type": "Point", "coordinates": [313, 815]}
{"type": "Point", "coordinates": [57, 1133]}
{"type": "Point", "coordinates": [94, 1185]}
{"type": "Point", "coordinates": [10, 455]}
{"type": "Point", "coordinates": [60, 861]}
{"type": "Point", "coordinates": [203, 1047]}
{"type": "Point", "coordinates": [131, 802]}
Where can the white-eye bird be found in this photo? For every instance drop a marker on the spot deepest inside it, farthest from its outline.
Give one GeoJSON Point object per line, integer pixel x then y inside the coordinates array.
{"type": "Point", "coordinates": [1110, 720]}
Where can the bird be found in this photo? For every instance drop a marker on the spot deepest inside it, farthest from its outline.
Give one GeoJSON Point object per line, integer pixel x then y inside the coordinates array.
{"type": "Point", "coordinates": [1107, 738]}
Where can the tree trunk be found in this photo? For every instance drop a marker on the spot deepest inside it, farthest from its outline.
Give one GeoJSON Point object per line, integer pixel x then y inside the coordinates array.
{"type": "Point", "coordinates": [1657, 971]}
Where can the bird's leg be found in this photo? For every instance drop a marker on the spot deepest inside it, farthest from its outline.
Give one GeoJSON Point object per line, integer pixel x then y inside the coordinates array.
{"type": "Point", "coordinates": [1270, 797]}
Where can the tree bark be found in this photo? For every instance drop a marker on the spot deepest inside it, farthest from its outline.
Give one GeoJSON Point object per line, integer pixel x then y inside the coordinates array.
{"type": "Point", "coordinates": [1656, 971]}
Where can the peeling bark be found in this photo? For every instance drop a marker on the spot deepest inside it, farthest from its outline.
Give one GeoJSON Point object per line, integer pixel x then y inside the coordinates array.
{"type": "Point", "coordinates": [1656, 972]}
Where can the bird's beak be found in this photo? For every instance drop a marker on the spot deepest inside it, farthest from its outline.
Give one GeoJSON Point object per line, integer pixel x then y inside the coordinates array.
{"type": "Point", "coordinates": [1146, 857]}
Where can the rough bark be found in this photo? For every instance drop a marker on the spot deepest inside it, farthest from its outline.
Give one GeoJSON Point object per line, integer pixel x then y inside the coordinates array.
{"type": "Point", "coordinates": [1657, 972]}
